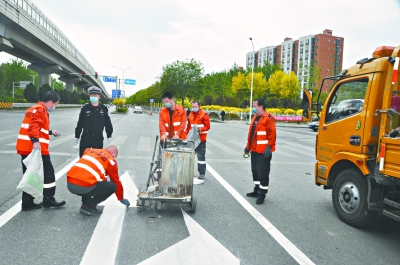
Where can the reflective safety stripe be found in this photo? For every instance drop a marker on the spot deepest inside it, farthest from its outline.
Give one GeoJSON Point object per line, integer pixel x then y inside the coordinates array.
{"type": "Point", "coordinates": [112, 162]}
{"type": "Point", "coordinates": [204, 132]}
{"type": "Point", "coordinates": [263, 187]}
{"type": "Point", "coordinates": [201, 162]}
{"type": "Point", "coordinates": [166, 125]}
{"type": "Point", "coordinates": [23, 137]}
{"type": "Point", "coordinates": [262, 142]}
{"type": "Point", "coordinates": [257, 182]}
{"type": "Point", "coordinates": [44, 131]}
{"type": "Point", "coordinates": [34, 111]}
{"type": "Point", "coordinates": [175, 132]}
{"type": "Point", "coordinates": [198, 125]}
{"type": "Point", "coordinates": [91, 170]}
{"type": "Point", "coordinates": [261, 133]}
{"type": "Point", "coordinates": [49, 185]}
{"type": "Point", "coordinates": [166, 133]}
{"type": "Point", "coordinates": [25, 125]}
{"type": "Point", "coordinates": [177, 123]}
{"type": "Point", "coordinates": [94, 161]}
{"type": "Point", "coordinates": [45, 141]}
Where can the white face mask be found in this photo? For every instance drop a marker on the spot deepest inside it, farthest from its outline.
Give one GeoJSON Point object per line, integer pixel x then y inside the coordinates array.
{"type": "Point", "coordinates": [53, 108]}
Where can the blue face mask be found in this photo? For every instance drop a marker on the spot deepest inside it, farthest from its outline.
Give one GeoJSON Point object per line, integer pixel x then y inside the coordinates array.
{"type": "Point", "coordinates": [53, 108]}
{"type": "Point", "coordinates": [94, 99]}
{"type": "Point", "coordinates": [195, 109]}
{"type": "Point", "coordinates": [168, 105]}
{"type": "Point", "coordinates": [254, 110]}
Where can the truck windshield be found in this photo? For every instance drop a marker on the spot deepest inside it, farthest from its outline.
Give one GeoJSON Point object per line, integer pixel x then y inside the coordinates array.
{"type": "Point", "coordinates": [347, 100]}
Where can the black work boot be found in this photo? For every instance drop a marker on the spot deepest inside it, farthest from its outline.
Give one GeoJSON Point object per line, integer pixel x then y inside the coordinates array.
{"type": "Point", "coordinates": [261, 196]}
{"type": "Point", "coordinates": [254, 193]}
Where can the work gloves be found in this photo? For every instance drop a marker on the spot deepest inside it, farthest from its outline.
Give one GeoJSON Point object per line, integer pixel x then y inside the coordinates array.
{"type": "Point", "coordinates": [125, 202]}
{"type": "Point", "coordinates": [109, 140]}
{"type": "Point", "coordinates": [267, 152]}
{"type": "Point", "coordinates": [36, 145]}
{"type": "Point", "coordinates": [76, 140]}
{"type": "Point", "coordinates": [246, 151]}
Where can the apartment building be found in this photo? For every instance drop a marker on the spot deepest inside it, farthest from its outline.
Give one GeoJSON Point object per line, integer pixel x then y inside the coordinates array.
{"type": "Point", "coordinates": [323, 51]}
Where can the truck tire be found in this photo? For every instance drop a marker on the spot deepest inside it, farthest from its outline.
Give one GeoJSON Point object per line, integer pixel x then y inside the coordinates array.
{"type": "Point", "coordinates": [349, 198]}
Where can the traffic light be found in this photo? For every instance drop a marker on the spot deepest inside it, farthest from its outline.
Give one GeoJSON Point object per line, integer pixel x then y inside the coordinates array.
{"type": "Point", "coordinates": [83, 73]}
{"type": "Point", "coordinates": [95, 75]}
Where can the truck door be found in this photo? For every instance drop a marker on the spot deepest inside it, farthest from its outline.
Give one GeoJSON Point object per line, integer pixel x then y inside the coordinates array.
{"type": "Point", "coordinates": [342, 121]}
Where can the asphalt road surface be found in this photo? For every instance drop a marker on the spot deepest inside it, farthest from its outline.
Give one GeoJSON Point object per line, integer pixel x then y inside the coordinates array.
{"type": "Point", "coordinates": [296, 224]}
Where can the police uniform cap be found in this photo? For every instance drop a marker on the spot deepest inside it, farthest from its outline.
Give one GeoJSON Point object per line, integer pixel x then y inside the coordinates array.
{"type": "Point", "coordinates": [94, 90]}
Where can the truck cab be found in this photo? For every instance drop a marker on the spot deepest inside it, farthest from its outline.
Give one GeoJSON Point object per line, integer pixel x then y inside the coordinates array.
{"type": "Point", "coordinates": [357, 155]}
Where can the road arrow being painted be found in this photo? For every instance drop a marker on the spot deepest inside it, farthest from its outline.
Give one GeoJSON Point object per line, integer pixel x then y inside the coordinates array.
{"type": "Point", "coordinates": [199, 248]}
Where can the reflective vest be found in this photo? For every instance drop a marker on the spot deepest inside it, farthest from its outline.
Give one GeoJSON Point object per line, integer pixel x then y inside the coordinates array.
{"type": "Point", "coordinates": [176, 126]}
{"type": "Point", "coordinates": [35, 124]}
{"type": "Point", "coordinates": [93, 167]}
{"type": "Point", "coordinates": [264, 134]}
{"type": "Point", "coordinates": [202, 120]}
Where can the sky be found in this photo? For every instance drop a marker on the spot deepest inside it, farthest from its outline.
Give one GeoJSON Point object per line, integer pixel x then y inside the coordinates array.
{"type": "Point", "coordinates": [147, 35]}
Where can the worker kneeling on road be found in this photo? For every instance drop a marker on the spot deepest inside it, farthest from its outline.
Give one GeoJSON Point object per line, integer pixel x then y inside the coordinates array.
{"type": "Point", "coordinates": [87, 178]}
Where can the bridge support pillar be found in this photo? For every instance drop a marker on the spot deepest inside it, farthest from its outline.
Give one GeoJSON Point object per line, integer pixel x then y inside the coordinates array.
{"type": "Point", "coordinates": [82, 87]}
{"type": "Point", "coordinates": [69, 82]}
{"type": "Point", "coordinates": [45, 71]}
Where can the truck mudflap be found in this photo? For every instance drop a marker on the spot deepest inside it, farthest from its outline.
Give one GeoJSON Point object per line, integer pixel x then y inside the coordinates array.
{"type": "Point", "coordinates": [389, 162]}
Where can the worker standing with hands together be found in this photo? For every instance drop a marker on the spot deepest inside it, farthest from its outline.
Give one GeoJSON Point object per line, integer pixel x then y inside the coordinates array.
{"type": "Point", "coordinates": [93, 118]}
{"type": "Point", "coordinates": [172, 119]}
{"type": "Point", "coordinates": [261, 141]}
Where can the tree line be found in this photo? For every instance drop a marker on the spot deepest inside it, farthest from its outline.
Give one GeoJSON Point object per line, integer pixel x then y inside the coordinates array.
{"type": "Point", "coordinates": [16, 70]}
{"type": "Point", "coordinates": [228, 87]}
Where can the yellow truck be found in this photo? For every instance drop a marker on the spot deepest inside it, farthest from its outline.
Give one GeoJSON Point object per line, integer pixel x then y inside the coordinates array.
{"type": "Point", "coordinates": [357, 146]}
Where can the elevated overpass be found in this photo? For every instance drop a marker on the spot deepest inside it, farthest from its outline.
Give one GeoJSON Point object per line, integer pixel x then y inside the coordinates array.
{"type": "Point", "coordinates": [27, 33]}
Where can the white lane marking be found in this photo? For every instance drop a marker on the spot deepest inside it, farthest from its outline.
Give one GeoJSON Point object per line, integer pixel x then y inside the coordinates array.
{"type": "Point", "coordinates": [61, 140]}
{"type": "Point", "coordinates": [13, 143]}
{"type": "Point", "coordinates": [199, 248]}
{"type": "Point", "coordinates": [152, 120]}
{"type": "Point", "coordinates": [103, 246]}
{"type": "Point", "coordinates": [5, 217]}
{"type": "Point", "coordinates": [277, 151]}
{"type": "Point", "coordinates": [224, 147]}
{"type": "Point", "coordinates": [7, 137]}
{"type": "Point", "coordinates": [290, 248]}
{"type": "Point", "coordinates": [118, 141]}
{"type": "Point", "coordinates": [296, 149]}
{"type": "Point", "coordinates": [144, 144]}
{"type": "Point", "coordinates": [7, 131]}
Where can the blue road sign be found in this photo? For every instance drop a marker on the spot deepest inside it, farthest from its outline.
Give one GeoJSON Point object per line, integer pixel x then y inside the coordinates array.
{"type": "Point", "coordinates": [109, 79]}
{"type": "Point", "coordinates": [130, 82]}
{"type": "Point", "coordinates": [115, 94]}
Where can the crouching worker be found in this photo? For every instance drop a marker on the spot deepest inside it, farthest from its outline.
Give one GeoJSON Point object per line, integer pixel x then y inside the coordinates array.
{"type": "Point", "coordinates": [87, 178]}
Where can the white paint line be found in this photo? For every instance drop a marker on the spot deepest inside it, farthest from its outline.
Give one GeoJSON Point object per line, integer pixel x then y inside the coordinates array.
{"type": "Point", "coordinates": [199, 248]}
{"type": "Point", "coordinates": [103, 246]}
{"type": "Point", "coordinates": [61, 140]}
{"type": "Point", "coordinates": [297, 150]}
{"type": "Point", "coordinates": [5, 217]}
{"type": "Point", "coordinates": [118, 141]}
{"type": "Point", "coordinates": [144, 144]}
{"type": "Point", "coordinates": [290, 248]}
{"type": "Point", "coordinates": [225, 148]}
{"type": "Point", "coordinates": [7, 137]}
{"type": "Point", "coordinates": [7, 131]}
{"type": "Point", "coordinates": [13, 143]}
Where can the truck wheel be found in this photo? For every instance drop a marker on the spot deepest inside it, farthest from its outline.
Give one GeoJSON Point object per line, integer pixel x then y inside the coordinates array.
{"type": "Point", "coordinates": [349, 198]}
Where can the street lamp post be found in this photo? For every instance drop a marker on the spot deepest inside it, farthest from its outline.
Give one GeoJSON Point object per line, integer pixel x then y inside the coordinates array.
{"type": "Point", "coordinates": [33, 79]}
{"type": "Point", "coordinates": [251, 85]}
{"type": "Point", "coordinates": [123, 76]}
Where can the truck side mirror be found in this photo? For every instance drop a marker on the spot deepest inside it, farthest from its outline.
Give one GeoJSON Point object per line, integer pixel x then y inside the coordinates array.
{"type": "Point", "coordinates": [307, 105]}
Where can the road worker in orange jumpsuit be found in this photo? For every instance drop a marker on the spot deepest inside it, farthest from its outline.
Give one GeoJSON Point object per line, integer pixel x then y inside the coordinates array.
{"type": "Point", "coordinates": [172, 119]}
{"type": "Point", "coordinates": [261, 141]}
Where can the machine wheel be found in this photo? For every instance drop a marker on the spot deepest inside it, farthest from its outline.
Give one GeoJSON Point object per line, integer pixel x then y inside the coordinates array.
{"type": "Point", "coordinates": [158, 205]}
{"type": "Point", "coordinates": [193, 204]}
{"type": "Point", "coordinates": [349, 198]}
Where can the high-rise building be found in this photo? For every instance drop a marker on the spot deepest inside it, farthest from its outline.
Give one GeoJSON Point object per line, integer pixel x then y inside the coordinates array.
{"type": "Point", "coordinates": [321, 51]}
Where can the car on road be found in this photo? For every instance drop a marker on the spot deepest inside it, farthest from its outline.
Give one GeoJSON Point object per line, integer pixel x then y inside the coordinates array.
{"type": "Point", "coordinates": [313, 125]}
{"type": "Point", "coordinates": [138, 109]}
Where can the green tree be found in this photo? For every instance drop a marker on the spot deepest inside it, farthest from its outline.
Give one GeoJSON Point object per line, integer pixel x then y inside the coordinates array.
{"type": "Point", "coordinates": [31, 94]}
{"type": "Point", "coordinates": [182, 78]}
{"type": "Point", "coordinates": [43, 90]}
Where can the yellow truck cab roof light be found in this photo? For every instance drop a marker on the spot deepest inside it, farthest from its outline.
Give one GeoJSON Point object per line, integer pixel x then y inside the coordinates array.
{"type": "Point", "coordinates": [383, 51]}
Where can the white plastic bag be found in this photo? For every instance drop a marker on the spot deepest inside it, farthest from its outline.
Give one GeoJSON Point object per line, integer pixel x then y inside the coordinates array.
{"type": "Point", "coordinates": [193, 137]}
{"type": "Point", "coordinates": [32, 181]}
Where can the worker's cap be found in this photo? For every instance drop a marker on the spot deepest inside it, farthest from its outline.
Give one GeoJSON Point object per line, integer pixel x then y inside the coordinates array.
{"type": "Point", "coordinates": [94, 90]}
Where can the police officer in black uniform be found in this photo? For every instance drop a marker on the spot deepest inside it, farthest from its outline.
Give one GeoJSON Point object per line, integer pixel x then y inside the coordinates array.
{"type": "Point", "coordinates": [92, 119]}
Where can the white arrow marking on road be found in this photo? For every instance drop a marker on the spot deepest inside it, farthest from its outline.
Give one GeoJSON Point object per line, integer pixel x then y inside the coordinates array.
{"type": "Point", "coordinates": [199, 248]}
{"type": "Point", "coordinates": [103, 245]}
{"type": "Point", "coordinates": [275, 233]}
{"type": "Point", "coordinates": [5, 217]}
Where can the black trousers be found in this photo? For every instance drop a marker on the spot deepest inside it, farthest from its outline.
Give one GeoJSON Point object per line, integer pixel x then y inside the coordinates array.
{"type": "Point", "coordinates": [260, 167]}
{"type": "Point", "coordinates": [89, 142]}
{"type": "Point", "coordinates": [201, 158]}
{"type": "Point", "coordinates": [49, 188]}
{"type": "Point", "coordinates": [100, 193]}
